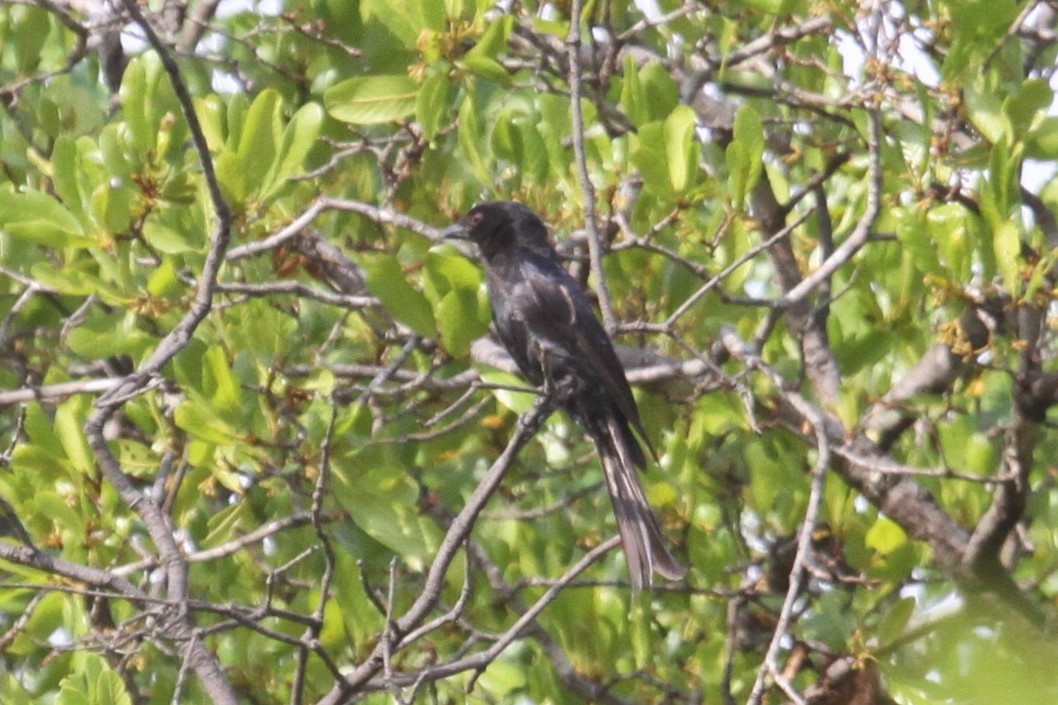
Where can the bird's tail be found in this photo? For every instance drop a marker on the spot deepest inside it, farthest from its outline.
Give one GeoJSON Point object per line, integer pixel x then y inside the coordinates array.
{"type": "Point", "coordinates": [644, 545]}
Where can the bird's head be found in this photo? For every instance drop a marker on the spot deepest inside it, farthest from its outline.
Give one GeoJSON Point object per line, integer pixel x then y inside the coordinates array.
{"type": "Point", "coordinates": [499, 226]}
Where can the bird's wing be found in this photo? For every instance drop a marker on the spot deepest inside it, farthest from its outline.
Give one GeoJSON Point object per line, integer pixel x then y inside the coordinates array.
{"type": "Point", "coordinates": [513, 302]}
{"type": "Point", "coordinates": [559, 299]}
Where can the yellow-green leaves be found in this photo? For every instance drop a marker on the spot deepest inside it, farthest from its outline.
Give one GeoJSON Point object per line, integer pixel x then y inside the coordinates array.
{"type": "Point", "coordinates": [38, 218]}
{"type": "Point", "coordinates": [681, 147]}
{"type": "Point", "coordinates": [745, 154]}
{"type": "Point", "coordinates": [667, 153]}
{"type": "Point", "coordinates": [92, 682]}
{"type": "Point", "coordinates": [431, 104]}
{"type": "Point", "coordinates": [150, 110]}
{"type": "Point", "coordinates": [647, 93]}
{"type": "Point", "coordinates": [262, 153]}
{"type": "Point", "coordinates": [885, 536]}
{"type": "Point", "coordinates": [453, 285]}
{"type": "Point", "coordinates": [372, 100]}
{"type": "Point", "coordinates": [1006, 243]}
{"type": "Point", "coordinates": [382, 501]}
{"type": "Point", "coordinates": [404, 302]}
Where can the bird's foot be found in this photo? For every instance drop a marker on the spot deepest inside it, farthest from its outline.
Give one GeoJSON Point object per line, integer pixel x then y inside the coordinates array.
{"type": "Point", "coordinates": [543, 406]}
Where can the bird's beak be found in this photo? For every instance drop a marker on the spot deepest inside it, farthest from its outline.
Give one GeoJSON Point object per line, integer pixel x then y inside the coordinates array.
{"type": "Point", "coordinates": [455, 231]}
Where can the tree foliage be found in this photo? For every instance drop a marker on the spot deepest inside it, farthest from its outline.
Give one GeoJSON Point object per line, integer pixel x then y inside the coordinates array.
{"type": "Point", "coordinates": [257, 445]}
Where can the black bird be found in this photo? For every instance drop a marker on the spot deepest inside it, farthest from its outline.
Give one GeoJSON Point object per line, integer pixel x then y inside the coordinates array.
{"type": "Point", "coordinates": [547, 325]}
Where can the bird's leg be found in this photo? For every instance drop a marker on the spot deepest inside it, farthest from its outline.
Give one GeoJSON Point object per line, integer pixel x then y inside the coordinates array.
{"type": "Point", "coordinates": [543, 406]}
{"type": "Point", "coordinates": [538, 352]}
{"type": "Point", "coordinates": [557, 386]}
{"type": "Point", "coordinates": [559, 383]}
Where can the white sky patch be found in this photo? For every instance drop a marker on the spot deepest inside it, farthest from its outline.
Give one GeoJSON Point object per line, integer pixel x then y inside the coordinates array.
{"type": "Point", "coordinates": [269, 8]}
{"type": "Point", "coordinates": [132, 40]}
{"type": "Point", "coordinates": [224, 83]}
{"type": "Point", "coordinates": [910, 57]}
{"type": "Point", "coordinates": [1035, 174]}
{"type": "Point", "coordinates": [649, 8]}
{"type": "Point", "coordinates": [60, 638]}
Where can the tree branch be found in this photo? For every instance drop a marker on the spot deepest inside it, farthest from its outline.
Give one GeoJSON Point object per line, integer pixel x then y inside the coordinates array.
{"type": "Point", "coordinates": [458, 532]}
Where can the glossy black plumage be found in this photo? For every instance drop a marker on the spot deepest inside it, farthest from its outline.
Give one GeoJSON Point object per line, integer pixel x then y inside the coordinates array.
{"type": "Point", "coordinates": [547, 325]}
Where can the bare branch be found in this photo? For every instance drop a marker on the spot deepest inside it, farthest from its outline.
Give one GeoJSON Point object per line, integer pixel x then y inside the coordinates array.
{"type": "Point", "coordinates": [595, 243]}
{"type": "Point", "coordinates": [457, 533]}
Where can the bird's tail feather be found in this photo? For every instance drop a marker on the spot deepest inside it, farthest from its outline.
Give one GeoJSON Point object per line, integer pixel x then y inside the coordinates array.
{"type": "Point", "coordinates": [644, 545]}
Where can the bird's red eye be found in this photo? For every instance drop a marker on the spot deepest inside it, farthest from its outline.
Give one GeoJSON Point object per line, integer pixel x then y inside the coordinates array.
{"type": "Point", "coordinates": [476, 218]}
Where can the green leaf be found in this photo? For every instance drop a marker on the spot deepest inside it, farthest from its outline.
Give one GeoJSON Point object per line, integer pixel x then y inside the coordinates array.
{"type": "Point", "coordinates": [494, 40]}
{"type": "Point", "coordinates": [233, 178]}
{"type": "Point", "coordinates": [948, 228]}
{"type": "Point", "coordinates": [110, 689]}
{"type": "Point", "coordinates": [470, 137]}
{"type": "Point", "coordinates": [92, 682]}
{"type": "Point", "coordinates": [749, 132]}
{"type": "Point", "coordinates": [211, 113]}
{"type": "Point", "coordinates": [198, 418]}
{"type": "Point", "coordinates": [29, 35]}
{"type": "Point", "coordinates": [446, 269]}
{"type": "Point", "coordinates": [383, 501]}
{"type": "Point", "coordinates": [503, 678]}
{"type": "Point", "coordinates": [681, 147]}
{"type": "Point", "coordinates": [69, 424]}
{"type": "Point", "coordinates": [650, 161]}
{"type": "Point", "coordinates": [386, 281]}
{"type": "Point", "coordinates": [1041, 142]}
{"type": "Point", "coordinates": [534, 160]}
{"type": "Point", "coordinates": [41, 430]}
{"type": "Point", "coordinates": [457, 321]}
{"type": "Point", "coordinates": [979, 455]}
{"type": "Point", "coordinates": [299, 137]}
{"type": "Point", "coordinates": [163, 280]}
{"type": "Point", "coordinates": [633, 97]}
{"type": "Point", "coordinates": [401, 21]}
{"type": "Point", "coordinates": [913, 233]}
{"type": "Point", "coordinates": [518, 402]}
{"type": "Point", "coordinates": [12, 692]}
{"type": "Point", "coordinates": [260, 330]}
{"type": "Point", "coordinates": [58, 511]}
{"type": "Point", "coordinates": [486, 68]}
{"type": "Point", "coordinates": [738, 169]}
{"type": "Point", "coordinates": [133, 95]}
{"type": "Point", "coordinates": [112, 149]}
{"type": "Point", "coordinates": [238, 106]}
{"type": "Point", "coordinates": [217, 376]}
{"type": "Point", "coordinates": [985, 110]}
{"type": "Point", "coordinates": [431, 104]}
{"type": "Point", "coordinates": [1028, 105]}
{"type": "Point", "coordinates": [64, 171]}
{"type": "Point", "coordinates": [506, 138]}
{"type": "Point", "coordinates": [108, 336]}
{"type": "Point", "coordinates": [169, 241]}
{"type": "Point", "coordinates": [37, 217]}
{"type": "Point", "coordinates": [257, 145]}
{"type": "Point", "coordinates": [225, 524]}
{"type": "Point", "coordinates": [895, 619]}
{"type": "Point", "coordinates": [1006, 243]}
{"type": "Point", "coordinates": [112, 206]}
{"type": "Point", "coordinates": [662, 93]}
{"type": "Point", "coordinates": [372, 100]}
{"type": "Point", "coordinates": [885, 536]}
{"type": "Point", "coordinates": [48, 117]}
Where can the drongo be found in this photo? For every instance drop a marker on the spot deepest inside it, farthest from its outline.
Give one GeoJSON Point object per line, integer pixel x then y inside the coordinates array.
{"type": "Point", "coordinates": [547, 325]}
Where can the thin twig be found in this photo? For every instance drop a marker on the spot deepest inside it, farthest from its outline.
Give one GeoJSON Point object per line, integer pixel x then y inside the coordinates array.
{"type": "Point", "coordinates": [201, 660]}
{"type": "Point", "coordinates": [770, 665]}
{"type": "Point", "coordinates": [595, 243]}
{"type": "Point", "coordinates": [457, 533]}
